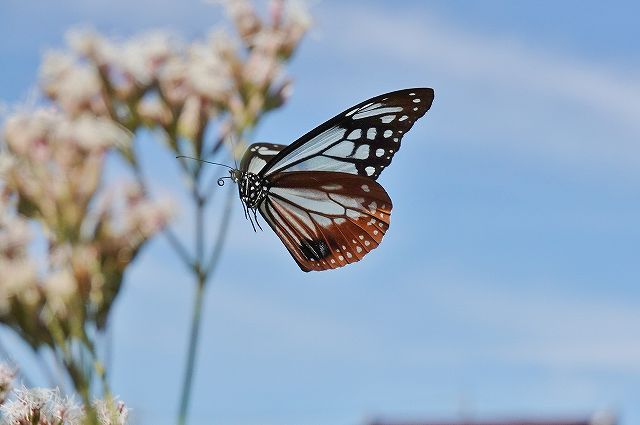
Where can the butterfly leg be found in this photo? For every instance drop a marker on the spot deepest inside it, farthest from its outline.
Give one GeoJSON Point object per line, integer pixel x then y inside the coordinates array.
{"type": "Point", "coordinates": [255, 216]}
{"type": "Point", "coordinates": [248, 215]}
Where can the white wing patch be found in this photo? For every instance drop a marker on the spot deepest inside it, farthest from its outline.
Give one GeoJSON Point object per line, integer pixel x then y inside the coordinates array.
{"type": "Point", "coordinates": [256, 164]}
{"type": "Point", "coordinates": [313, 147]}
{"type": "Point", "coordinates": [375, 110]}
{"type": "Point", "coordinates": [258, 155]}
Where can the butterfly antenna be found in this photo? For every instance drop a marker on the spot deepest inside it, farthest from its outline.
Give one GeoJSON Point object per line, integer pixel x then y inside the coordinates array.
{"type": "Point", "coordinates": [208, 162]}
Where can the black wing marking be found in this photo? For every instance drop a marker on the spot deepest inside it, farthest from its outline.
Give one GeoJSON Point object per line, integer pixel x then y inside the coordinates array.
{"type": "Point", "coordinates": [258, 155]}
{"type": "Point", "coordinates": [361, 140]}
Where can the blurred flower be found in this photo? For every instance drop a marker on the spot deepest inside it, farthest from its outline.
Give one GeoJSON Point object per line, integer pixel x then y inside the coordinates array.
{"type": "Point", "coordinates": [296, 23]}
{"type": "Point", "coordinates": [51, 174]}
{"type": "Point", "coordinates": [18, 274]}
{"type": "Point", "coordinates": [76, 87]}
{"type": "Point", "coordinates": [41, 406]}
{"type": "Point", "coordinates": [45, 406]}
{"type": "Point", "coordinates": [191, 121]}
{"type": "Point", "coordinates": [143, 55]}
{"type": "Point", "coordinates": [59, 287]}
{"type": "Point", "coordinates": [154, 111]}
{"type": "Point", "coordinates": [88, 43]}
{"type": "Point", "coordinates": [208, 72]}
{"type": "Point", "coordinates": [243, 15]}
{"type": "Point", "coordinates": [112, 412]}
{"type": "Point", "coordinates": [7, 375]}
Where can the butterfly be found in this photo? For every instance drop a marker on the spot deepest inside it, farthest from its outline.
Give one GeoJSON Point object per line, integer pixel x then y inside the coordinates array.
{"type": "Point", "coordinates": [319, 194]}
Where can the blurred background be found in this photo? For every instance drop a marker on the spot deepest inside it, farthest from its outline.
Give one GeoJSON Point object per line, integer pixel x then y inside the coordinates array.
{"type": "Point", "coordinates": [507, 285]}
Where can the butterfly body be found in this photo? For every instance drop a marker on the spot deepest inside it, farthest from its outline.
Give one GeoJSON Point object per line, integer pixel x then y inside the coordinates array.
{"type": "Point", "coordinates": [320, 194]}
{"type": "Point", "coordinates": [252, 188]}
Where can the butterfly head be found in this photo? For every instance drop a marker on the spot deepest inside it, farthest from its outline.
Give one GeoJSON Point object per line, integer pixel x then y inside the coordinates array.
{"type": "Point", "coordinates": [235, 175]}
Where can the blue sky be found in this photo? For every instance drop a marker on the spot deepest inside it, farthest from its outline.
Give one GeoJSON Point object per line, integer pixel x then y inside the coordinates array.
{"type": "Point", "coordinates": [508, 283]}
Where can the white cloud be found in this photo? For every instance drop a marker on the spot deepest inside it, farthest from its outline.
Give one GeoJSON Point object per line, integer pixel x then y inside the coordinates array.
{"type": "Point", "coordinates": [545, 327]}
{"type": "Point", "coordinates": [424, 40]}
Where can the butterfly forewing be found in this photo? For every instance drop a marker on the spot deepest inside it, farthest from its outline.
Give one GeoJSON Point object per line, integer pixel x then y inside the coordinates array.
{"type": "Point", "coordinates": [362, 140]}
{"type": "Point", "coordinates": [326, 219]}
{"type": "Point", "coordinates": [258, 155]}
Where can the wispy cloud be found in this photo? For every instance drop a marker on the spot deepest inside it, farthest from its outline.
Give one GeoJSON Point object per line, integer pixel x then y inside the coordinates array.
{"type": "Point", "coordinates": [416, 37]}
{"type": "Point", "coordinates": [546, 327]}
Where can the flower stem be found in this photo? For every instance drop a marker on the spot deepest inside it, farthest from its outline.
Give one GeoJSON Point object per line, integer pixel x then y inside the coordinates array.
{"type": "Point", "coordinates": [191, 356]}
{"type": "Point", "coordinates": [201, 280]}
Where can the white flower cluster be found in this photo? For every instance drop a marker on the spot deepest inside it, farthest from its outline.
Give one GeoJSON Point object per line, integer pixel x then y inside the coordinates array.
{"type": "Point", "coordinates": [18, 276]}
{"type": "Point", "coordinates": [41, 406]}
{"type": "Point", "coordinates": [52, 171]}
{"type": "Point", "coordinates": [102, 92]}
{"type": "Point", "coordinates": [45, 406]}
{"type": "Point", "coordinates": [156, 79]}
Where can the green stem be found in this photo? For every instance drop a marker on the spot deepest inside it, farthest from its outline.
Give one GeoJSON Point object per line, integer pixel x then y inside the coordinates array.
{"type": "Point", "coordinates": [75, 371]}
{"type": "Point", "coordinates": [193, 345]}
{"type": "Point", "coordinates": [98, 365]}
{"type": "Point", "coordinates": [203, 272]}
{"type": "Point", "coordinates": [201, 280]}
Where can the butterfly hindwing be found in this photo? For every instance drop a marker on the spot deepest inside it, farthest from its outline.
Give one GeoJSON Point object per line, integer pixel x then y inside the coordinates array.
{"type": "Point", "coordinates": [326, 219]}
{"type": "Point", "coordinates": [361, 140]}
{"type": "Point", "coordinates": [258, 155]}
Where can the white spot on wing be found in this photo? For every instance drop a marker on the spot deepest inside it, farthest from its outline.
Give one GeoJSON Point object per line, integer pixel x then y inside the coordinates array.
{"type": "Point", "coordinates": [402, 118]}
{"type": "Point", "coordinates": [371, 133]}
{"type": "Point", "coordinates": [387, 133]}
{"type": "Point", "coordinates": [332, 187]}
{"type": "Point", "coordinates": [322, 220]}
{"type": "Point", "coordinates": [256, 165]}
{"type": "Point", "coordinates": [350, 112]}
{"type": "Point", "coordinates": [347, 201]}
{"type": "Point", "coordinates": [365, 187]}
{"type": "Point", "coordinates": [342, 149]}
{"type": "Point", "coordinates": [374, 110]}
{"type": "Point", "coordinates": [353, 214]}
{"type": "Point", "coordinates": [369, 170]}
{"type": "Point", "coordinates": [387, 119]}
{"type": "Point", "coordinates": [379, 152]}
{"type": "Point", "coordinates": [264, 150]}
{"type": "Point", "coordinates": [362, 152]}
{"type": "Point", "coordinates": [355, 134]}
{"type": "Point", "coordinates": [323, 163]}
{"type": "Point", "coordinates": [309, 199]}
